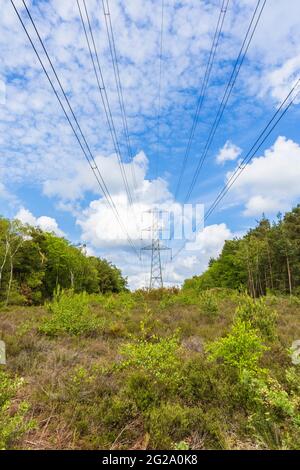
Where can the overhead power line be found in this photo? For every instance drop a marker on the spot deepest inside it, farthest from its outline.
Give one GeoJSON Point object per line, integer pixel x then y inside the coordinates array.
{"type": "Point", "coordinates": [281, 111]}
{"type": "Point", "coordinates": [158, 123]}
{"type": "Point", "coordinates": [104, 97]}
{"type": "Point", "coordinates": [204, 86]}
{"type": "Point", "coordinates": [203, 91]}
{"type": "Point", "coordinates": [234, 75]}
{"type": "Point", "coordinates": [264, 134]}
{"type": "Point", "coordinates": [85, 149]}
{"type": "Point", "coordinates": [235, 72]}
{"type": "Point", "coordinates": [156, 247]}
{"type": "Point", "coordinates": [114, 58]}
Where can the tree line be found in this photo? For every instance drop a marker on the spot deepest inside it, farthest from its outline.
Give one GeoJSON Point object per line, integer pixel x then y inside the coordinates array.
{"type": "Point", "coordinates": [267, 258]}
{"type": "Point", "coordinates": [34, 263]}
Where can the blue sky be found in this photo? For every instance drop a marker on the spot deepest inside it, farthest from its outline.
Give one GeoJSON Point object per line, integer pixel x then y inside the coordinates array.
{"type": "Point", "coordinates": [44, 177]}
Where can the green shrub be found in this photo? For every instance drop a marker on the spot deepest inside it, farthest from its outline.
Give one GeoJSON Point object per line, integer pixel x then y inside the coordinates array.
{"type": "Point", "coordinates": [259, 314]}
{"type": "Point", "coordinates": [148, 325]}
{"type": "Point", "coordinates": [168, 300]}
{"type": "Point", "coordinates": [156, 294]}
{"type": "Point", "coordinates": [207, 300]}
{"type": "Point", "coordinates": [117, 412]}
{"type": "Point", "coordinates": [294, 300]}
{"type": "Point", "coordinates": [173, 422]}
{"type": "Point", "coordinates": [15, 297]}
{"type": "Point", "coordinates": [121, 303]}
{"type": "Point", "coordinates": [241, 348]}
{"type": "Point", "coordinates": [158, 358]}
{"type": "Point", "coordinates": [268, 393]}
{"type": "Point", "coordinates": [189, 297]}
{"type": "Point", "coordinates": [99, 422]}
{"type": "Point", "coordinates": [116, 329]}
{"type": "Point", "coordinates": [12, 425]}
{"type": "Point", "coordinates": [205, 382]}
{"type": "Point", "coordinates": [97, 406]}
{"type": "Point", "coordinates": [182, 297]}
{"type": "Point", "coordinates": [275, 415]}
{"type": "Point", "coordinates": [208, 303]}
{"type": "Point", "coordinates": [143, 391]}
{"type": "Point", "coordinates": [293, 379]}
{"type": "Point", "coordinates": [80, 383]}
{"type": "Point", "coordinates": [168, 424]}
{"type": "Point", "coordinates": [69, 313]}
{"type": "Point", "coordinates": [182, 445]}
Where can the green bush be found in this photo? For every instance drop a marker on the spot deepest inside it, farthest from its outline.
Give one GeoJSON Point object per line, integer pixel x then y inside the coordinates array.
{"type": "Point", "coordinates": [182, 445]}
{"type": "Point", "coordinates": [158, 358]}
{"type": "Point", "coordinates": [117, 412]}
{"type": "Point", "coordinates": [172, 423]}
{"type": "Point", "coordinates": [294, 300]}
{"type": "Point", "coordinates": [12, 425]}
{"type": "Point", "coordinates": [121, 303]}
{"type": "Point", "coordinates": [208, 303]}
{"type": "Point", "coordinates": [169, 424]}
{"type": "Point", "coordinates": [15, 297]}
{"type": "Point", "coordinates": [69, 313]}
{"type": "Point", "coordinates": [143, 391]}
{"type": "Point", "coordinates": [205, 382]}
{"type": "Point", "coordinates": [275, 412]}
{"type": "Point", "coordinates": [259, 314]}
{"type": "Point", "coordinates": [156, 294]}
{"type": "Point", "coordinates": [241, 348]}
{"type": "Point", "coordinates": [168, 300]}
{"type": "Point", "coordinates": [207, 300]}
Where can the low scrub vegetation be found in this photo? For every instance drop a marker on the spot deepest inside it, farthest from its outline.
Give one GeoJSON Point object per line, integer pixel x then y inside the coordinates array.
{"type": "Point", "coordinates": [13, 421]}
{"type": "Point", "coordinates": [70, 313]}
{"type": "Point", "coordinates": [178, 369]}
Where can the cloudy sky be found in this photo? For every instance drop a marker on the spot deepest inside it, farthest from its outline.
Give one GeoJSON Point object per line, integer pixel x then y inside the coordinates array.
{"type": "Point", "coordinates": [45, 179]}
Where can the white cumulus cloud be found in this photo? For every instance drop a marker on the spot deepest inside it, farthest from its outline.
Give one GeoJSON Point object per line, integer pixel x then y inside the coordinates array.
{"type": "Point", "coordinates": [45, 223]}
{"type": "Point", "coordinates": [270, 183]}
{"type": "Point", "coordinates": [279, 81]}
{"type": "Point", "coordinates": [228, 152]}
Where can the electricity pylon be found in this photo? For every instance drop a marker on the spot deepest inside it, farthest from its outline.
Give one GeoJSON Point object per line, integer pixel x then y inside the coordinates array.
{"type": "Point", "coordinates": [156, 279]}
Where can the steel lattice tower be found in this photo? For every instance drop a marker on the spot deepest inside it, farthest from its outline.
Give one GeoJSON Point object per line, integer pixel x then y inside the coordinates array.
{"type": "Point", "coordinates": [156, 279]}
